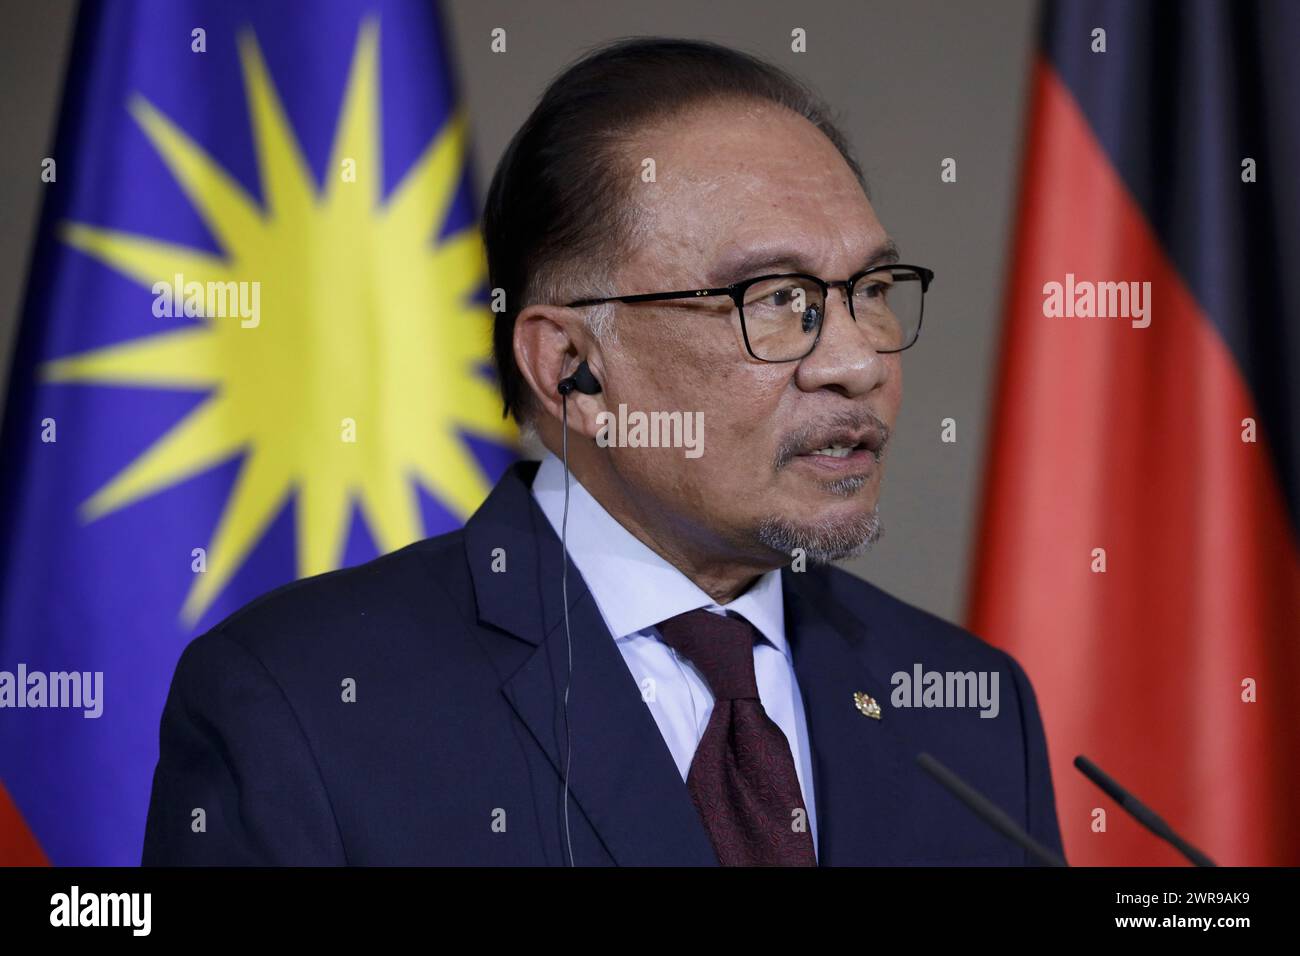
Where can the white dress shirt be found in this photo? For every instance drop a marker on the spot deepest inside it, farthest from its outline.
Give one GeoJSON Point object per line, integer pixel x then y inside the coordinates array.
{"type": "Point", "coordinates": [635, 589]}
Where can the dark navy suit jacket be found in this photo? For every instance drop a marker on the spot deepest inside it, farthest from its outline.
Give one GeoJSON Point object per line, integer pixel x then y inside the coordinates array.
{"type": "Point", "coordinates": [451, 752]}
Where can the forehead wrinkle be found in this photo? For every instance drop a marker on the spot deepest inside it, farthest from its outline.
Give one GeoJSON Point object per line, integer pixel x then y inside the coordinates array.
{"type": "Point", "coordinates": [740, 263]}
{"type": "Point", "coordinates": [704, 194]}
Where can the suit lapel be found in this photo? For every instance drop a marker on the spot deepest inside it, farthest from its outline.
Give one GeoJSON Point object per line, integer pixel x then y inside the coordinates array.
{"type": "Point", "coordinates": [857, 761]}
{"type": "Point", "coordinates": [623, 778]}
{"type": "Point", "coordinates": [622, 775]}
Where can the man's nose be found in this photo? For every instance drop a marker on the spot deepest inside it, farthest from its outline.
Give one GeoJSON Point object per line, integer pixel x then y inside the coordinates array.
{"type": "Point", "coordinates": [844, 359]}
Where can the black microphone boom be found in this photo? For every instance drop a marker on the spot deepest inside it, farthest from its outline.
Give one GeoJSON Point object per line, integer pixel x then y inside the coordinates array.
{"type": "Point", "coordinates": [987, 811]}
{"type": "Point", "coordinates": [1139, 811]}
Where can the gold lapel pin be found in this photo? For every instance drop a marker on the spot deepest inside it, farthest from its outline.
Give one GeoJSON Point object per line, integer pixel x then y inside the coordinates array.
{"type": "Point", "coordinates": [866, 704]}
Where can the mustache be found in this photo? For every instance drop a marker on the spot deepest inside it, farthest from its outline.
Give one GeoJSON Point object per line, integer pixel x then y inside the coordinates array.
{"type": "Point", "coordinates": [845, 428]}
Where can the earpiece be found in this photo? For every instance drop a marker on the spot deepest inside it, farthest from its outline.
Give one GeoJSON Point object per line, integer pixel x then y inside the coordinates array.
{"type": "Point", "coordinates": [581, 380]}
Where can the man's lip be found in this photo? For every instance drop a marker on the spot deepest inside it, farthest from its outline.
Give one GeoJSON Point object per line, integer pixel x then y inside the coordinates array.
{"type": "Point", "coordinates": [869, 442]}
{"type": "Point", "coordinates": [864, 434]}
{"type": "Point", "coordinates": [855, 460]}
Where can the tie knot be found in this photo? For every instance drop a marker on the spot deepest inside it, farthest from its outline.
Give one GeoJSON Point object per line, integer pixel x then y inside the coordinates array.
{"type": "Point", "coordinates": [720, 647]}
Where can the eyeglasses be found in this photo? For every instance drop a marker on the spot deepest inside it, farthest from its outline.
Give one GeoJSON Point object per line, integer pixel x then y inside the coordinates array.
{"type": "Point", "coordinates": [781, 316]}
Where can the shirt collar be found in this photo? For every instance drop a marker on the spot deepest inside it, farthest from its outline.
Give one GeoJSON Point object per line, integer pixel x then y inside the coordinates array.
{"type": "Point", "coordinates": [634, 587]}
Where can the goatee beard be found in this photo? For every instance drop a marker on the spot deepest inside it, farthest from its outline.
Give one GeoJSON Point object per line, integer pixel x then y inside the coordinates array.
{"type": "Point", "coordinates": [823, 542]}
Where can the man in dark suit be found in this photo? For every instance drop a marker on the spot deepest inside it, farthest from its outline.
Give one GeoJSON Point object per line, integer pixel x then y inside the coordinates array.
{"type": "Point", "coordinates": [717, 692]}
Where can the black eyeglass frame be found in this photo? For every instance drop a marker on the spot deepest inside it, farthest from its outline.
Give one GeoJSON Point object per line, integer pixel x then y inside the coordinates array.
{"type": "Point", "coordinates": [737, 292]}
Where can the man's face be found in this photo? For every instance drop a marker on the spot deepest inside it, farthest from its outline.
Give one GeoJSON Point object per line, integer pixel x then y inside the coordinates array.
{"type": "Point", "coordinates": [747, 189]}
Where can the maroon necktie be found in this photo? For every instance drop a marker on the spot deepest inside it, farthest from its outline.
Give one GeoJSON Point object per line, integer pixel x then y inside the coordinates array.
{"type": "Point", "coordinates": [742, 777]}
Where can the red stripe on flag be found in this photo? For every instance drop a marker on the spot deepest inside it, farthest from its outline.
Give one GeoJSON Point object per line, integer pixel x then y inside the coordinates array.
{"type": "Point", "coordinates": [1129, 439]}
{"type": "Point", "coordinates": [18, 847]}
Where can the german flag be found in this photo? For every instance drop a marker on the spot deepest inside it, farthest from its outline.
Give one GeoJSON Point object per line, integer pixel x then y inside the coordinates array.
{"type": "Point", "coordinates": [1139, 537]}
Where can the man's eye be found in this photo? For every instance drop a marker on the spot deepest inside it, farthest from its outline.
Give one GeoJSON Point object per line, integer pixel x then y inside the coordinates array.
{"type": "Point", "coordinates": [789, 298]}
{"type": "Point", "coordinates": [873, 288]}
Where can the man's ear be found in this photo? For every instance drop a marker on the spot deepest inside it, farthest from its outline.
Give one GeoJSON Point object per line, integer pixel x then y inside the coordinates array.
{"type": "Point", "coordinates": [550, 341]}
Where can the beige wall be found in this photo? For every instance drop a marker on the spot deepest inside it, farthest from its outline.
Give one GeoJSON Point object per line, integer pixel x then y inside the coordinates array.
{"type": "Point", "coordinates": [915, 82]}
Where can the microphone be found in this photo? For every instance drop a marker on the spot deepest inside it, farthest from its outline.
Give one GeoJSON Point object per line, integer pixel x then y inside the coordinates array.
{"type": "Point", "coordinates": [987, 811]}
{"type": "Point", "coordinates": [1139, 811]}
